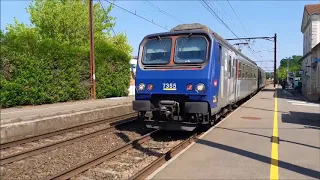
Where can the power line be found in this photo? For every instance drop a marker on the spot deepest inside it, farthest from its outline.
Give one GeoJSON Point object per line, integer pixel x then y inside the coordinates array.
{"type": "Point", "coordinates": [207, 6]}
{"type": "Point", "coordinates": [237, 17]}
{"type": "Point", "coordinates": [217, 17]}
{"type": "Point", "coordinates": [134, 13]}
{"type": "Point", "coordinates": [241, 22]}
{"type": "Point", "coordinates": [161, 10]}
{"type": "Point", "coordinates": [225, 13]}
{"type": "Point", "coordinates": [114, 32]}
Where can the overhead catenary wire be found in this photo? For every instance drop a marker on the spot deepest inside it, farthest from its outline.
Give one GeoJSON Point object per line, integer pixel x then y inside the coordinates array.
{"type": "Point", "coordinates": [211, 11]}
{"type": "Point", "coordinates": [135, 14]}
{"type": "Point", "coordinates": [244, 27]}
{"type": "Point", "coordinates": [224, 15]}
{"type": "Point", "coordinates": [114, 32]}
{"type": "Point", "coordinates": [161, 10]}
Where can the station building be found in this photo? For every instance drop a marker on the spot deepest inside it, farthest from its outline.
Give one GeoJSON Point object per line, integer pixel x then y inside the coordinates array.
{"type": "Point", "coordinates": [310, 27]}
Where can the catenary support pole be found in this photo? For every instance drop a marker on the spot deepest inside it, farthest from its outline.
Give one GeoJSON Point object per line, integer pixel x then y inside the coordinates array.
{"type": "Point", "coordinates": [92, 63]}
{"type": "Point", "coordinates": [275, 61]}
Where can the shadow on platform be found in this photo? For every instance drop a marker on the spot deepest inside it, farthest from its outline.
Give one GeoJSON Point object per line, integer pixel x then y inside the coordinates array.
{"type": "Point", "coordinates": [291, 94]}
{"type": "Point", "coordinates": [282, 164]}
{"type": "Point", "coordinates": [309, 120]}
{"type": "Point", "coordinates": [269, 137]}
{"type": "Point", "coordinates": [271, 110]}
{"type": "Point", "coordinates": [267, 89]}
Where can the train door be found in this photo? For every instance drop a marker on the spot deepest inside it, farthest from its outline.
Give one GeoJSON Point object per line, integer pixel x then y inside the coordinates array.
{"type": "Point", "coordinates": [231, 78]}
{"type": "Point", "coordinates": [238, 81]}
{"type": "Point", "coordinates": [224, 77]}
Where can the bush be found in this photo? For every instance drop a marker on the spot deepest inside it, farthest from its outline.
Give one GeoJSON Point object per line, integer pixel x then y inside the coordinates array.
{"type": "Point", "coordinates": [39, 69]}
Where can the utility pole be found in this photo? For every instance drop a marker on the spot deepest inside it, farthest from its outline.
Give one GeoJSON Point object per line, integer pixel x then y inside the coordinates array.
{"type": "Point", "coordinates": [92, 63]}
{"type": "Point", "coordinates": [275, 52]}
{"type": "Point", "coordinates": [275, 61]}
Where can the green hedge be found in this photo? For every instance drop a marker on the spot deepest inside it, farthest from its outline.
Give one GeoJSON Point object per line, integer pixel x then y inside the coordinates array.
{"type": "Point", "coordinates": [48, 61]}
{"type": "Point", "coordinates": [47, 71]}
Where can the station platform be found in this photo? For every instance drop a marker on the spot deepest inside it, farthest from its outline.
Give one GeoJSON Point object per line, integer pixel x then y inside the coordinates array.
{"type": "Point", "coordinates": [27, 121]}
{"type": "Point", "coordinates": [274, 135]}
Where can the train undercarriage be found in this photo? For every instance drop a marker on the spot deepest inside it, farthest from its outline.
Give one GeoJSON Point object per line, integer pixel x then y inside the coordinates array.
{"type": "Point", "coordinates": [174, 115]}
{"type": "Point", "coordinates": [180, 115]}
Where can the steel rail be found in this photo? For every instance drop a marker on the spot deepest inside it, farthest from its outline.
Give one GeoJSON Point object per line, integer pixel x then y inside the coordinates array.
{"type": "Point", "coordinates": [146, 171]}
{"type": "Point", "coordinates": [46, 148]}
{"type": "Point", "coordinates": [46, 135]}
{"type": "Point", "coordinates": [66, 174]}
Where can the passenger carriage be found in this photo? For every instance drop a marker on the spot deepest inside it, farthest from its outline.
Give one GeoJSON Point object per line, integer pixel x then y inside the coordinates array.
{"type": "Point", "coordinates": [190, 76]}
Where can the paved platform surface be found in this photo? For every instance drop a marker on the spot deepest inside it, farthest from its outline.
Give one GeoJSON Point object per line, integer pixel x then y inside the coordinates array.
{"type": "Point", "coordinates": [18, 123]}
{"type": "Point", "coordinates": [253, 137]}
{"type": "Point", "coordinates": [10, 115]}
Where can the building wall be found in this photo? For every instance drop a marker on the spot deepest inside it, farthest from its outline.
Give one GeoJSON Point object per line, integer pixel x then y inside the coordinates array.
{"type": "Point", "coordinates": [316, 55]}
{"type": "Point", "coordinates": [307, 39]}
{"type": "Point", "coordinates": [315, 30]}
{"type": "Point", "coordinates": [309, 80]}
{"type": "Point", "coordinates": [311, 75]}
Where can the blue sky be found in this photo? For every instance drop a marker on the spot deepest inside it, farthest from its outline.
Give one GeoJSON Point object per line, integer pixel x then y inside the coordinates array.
{"type": "Point", "coordinates": [260, 18]}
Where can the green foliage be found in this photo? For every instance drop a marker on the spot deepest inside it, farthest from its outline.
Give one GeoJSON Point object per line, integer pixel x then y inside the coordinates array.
{"type": "Point", "coordinates": [269, 75]}
{"type": "Point", "coordinates": [294, 66]}
{"type": "Point", "coordinates": [49, 61]}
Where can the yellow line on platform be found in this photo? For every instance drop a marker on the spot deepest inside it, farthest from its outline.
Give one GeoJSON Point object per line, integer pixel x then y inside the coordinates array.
{"type": "Point", "coordinates": [274, 171]}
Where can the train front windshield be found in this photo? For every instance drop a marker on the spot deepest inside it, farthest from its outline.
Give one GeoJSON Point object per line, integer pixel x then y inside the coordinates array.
{"type": "Point", "coordinates": [157, 51]}
{"type": "Point", "coordinates": [187, 50]}
{"type": "Point", "coordinates": [190, 50]}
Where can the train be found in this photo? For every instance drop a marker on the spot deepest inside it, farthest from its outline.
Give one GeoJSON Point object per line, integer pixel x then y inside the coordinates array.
{"type": "Point", "coordinates": [190, 76]}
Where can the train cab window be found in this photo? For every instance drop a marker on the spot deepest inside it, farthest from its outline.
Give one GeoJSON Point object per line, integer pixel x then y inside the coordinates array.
{"type": "Point", "coordinates": [157, 51]}
{"type": "Point", "coordinates": [190, 50]}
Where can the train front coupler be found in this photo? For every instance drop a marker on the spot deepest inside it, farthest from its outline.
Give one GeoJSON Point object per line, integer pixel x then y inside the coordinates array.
{"type": "Point", "coordinates": [169, 108]}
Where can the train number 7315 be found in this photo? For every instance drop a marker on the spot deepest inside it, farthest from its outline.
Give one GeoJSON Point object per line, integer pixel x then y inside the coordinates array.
{"type": "Point", "coordinates": [169, 86]}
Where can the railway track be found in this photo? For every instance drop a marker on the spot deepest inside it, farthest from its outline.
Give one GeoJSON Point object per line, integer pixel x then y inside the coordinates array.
{"type": "Point", "coordinates": [55, 133]}
{"type": "Point", "coordinates": [41, 149]}
{"type": "Point", "coordinates": [130, 155]}
{"type": "Point", "coordinates": [45, 161]}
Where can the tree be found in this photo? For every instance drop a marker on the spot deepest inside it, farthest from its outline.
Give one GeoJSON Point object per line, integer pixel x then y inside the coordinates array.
{"type": "Point", "coordinates": [294, 66]}
{"type": "Point", "coordinates": [48, 61]}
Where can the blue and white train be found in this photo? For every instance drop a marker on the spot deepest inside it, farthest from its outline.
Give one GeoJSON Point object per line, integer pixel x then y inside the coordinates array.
{"type": "Point", "coordinates": [191, 76]}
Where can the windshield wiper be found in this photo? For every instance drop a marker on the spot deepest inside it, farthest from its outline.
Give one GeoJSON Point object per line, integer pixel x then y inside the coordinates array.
{"type": "Point", "coordinates": [163, 47]}
{"type": "Point", "coordinates": [185, 41]}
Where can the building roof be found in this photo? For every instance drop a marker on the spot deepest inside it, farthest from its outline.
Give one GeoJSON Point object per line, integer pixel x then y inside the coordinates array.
{"type": "Point", "coordinates": [313, 9]}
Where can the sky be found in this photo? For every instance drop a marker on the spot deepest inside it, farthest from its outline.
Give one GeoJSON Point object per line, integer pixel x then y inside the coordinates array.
{"type": "Point", "coordinates": [249, 19]}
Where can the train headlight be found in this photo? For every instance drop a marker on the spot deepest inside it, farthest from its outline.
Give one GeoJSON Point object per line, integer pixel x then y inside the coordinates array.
{"type": "Point", "coordinates": [141, 87]}
{"type": "Point", "coordinates": [200, 87]}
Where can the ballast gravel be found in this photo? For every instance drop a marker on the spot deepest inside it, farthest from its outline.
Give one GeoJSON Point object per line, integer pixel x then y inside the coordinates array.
{"type": "Point", "coordinates": [51, 140]}
{"type": "Point", "coordinates": [130, 162]}
{"type": "Point", "coordinates": [47, 164]}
